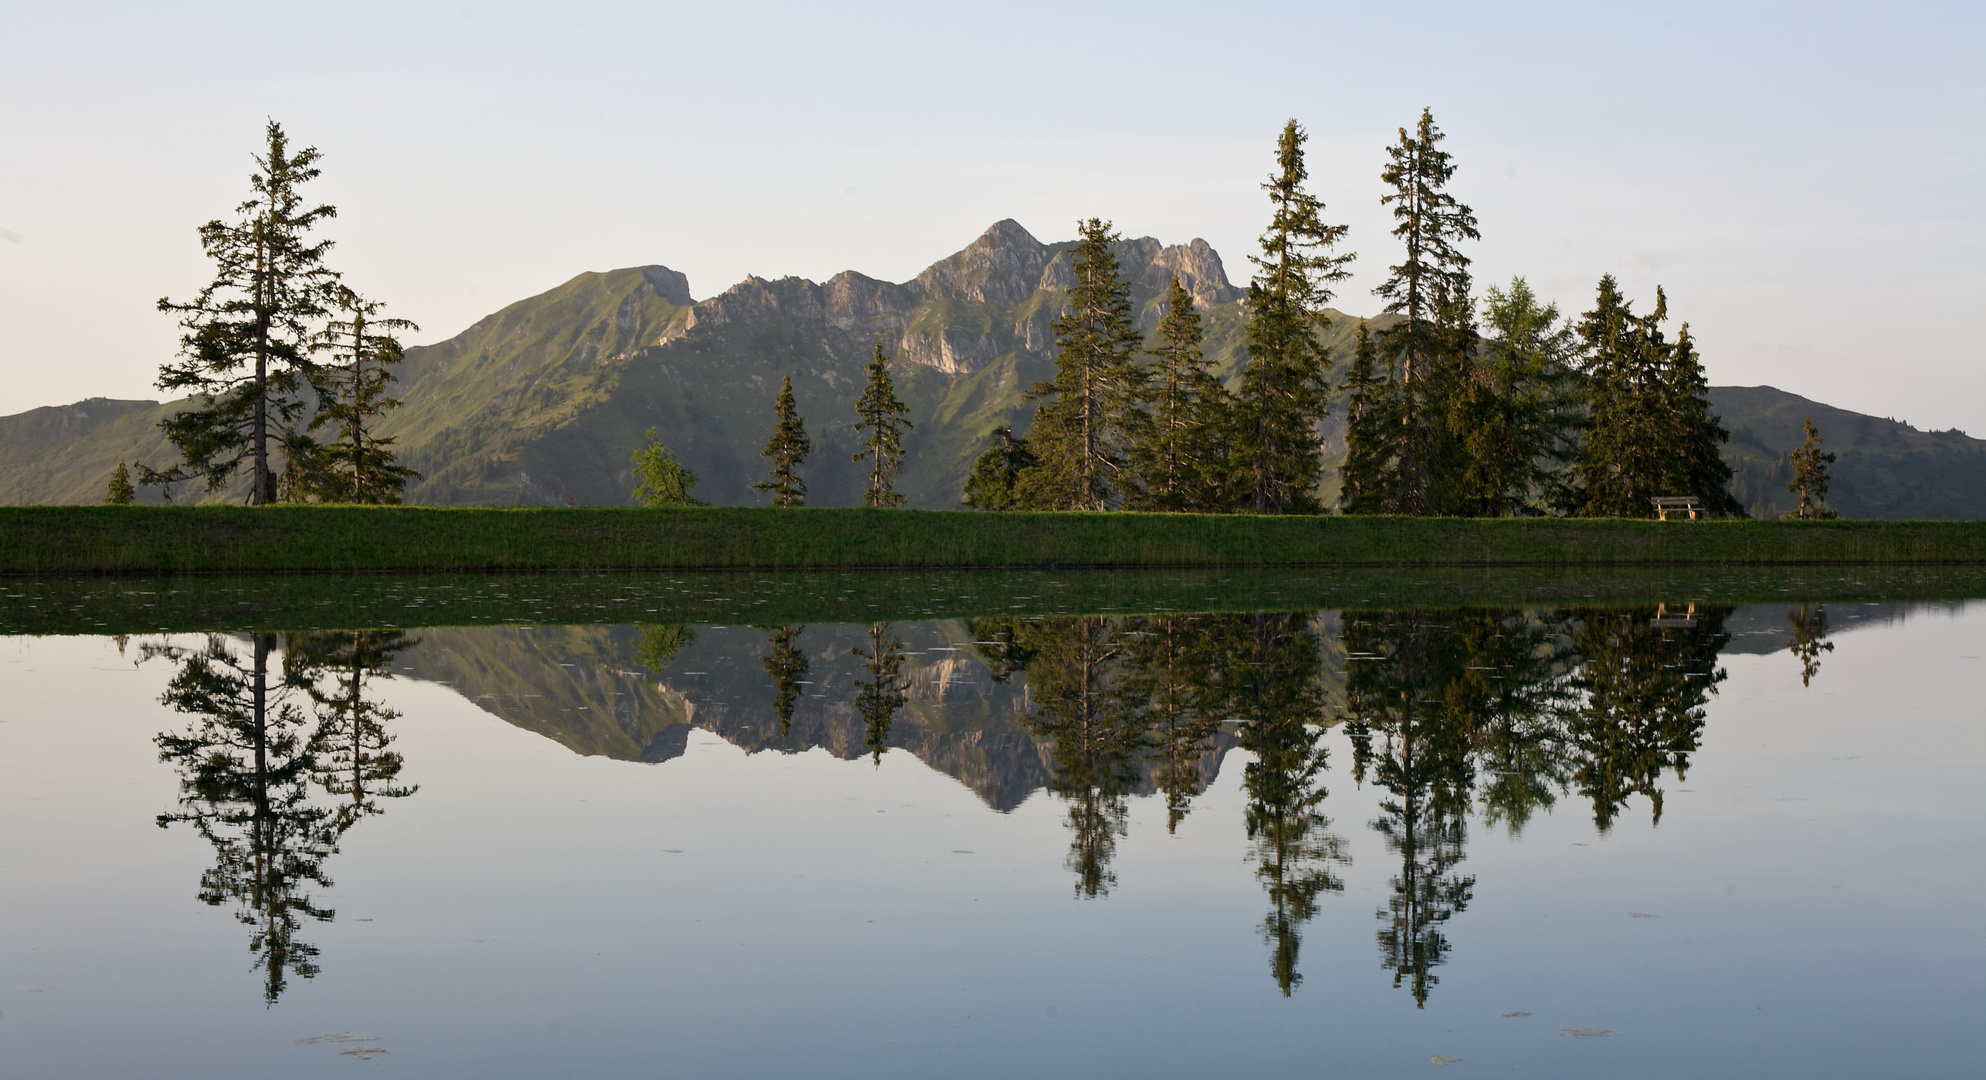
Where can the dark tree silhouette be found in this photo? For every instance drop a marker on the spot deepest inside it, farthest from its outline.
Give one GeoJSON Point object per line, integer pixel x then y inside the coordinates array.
{"type": "Point", "coordinates": [245, 765]}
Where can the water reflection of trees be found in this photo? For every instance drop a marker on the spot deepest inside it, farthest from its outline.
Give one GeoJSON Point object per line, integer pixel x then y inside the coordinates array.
{"type": "Point", "coordinates": [248, 762]}
{"type": "Point", "coordinates": [1809, 623]}
{"type": "Point", "coordinates": [787, 666]}
{"type": "Point", "coordinates": [878, 699]}
{"type": "Point", "coordinates": [1495, 712]}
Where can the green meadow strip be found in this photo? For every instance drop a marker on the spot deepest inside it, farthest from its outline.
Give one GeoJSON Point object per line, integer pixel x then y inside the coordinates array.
{"type": "Point", "coordinates": [293, 539]}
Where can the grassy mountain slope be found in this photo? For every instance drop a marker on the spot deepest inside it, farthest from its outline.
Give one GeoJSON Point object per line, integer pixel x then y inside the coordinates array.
{"type": "Point", "coordinates": [1885, 468]}
{"type": "Point", "coordinates": [64, 454]}
{"type": "Point", "coordinates": [546, 400]}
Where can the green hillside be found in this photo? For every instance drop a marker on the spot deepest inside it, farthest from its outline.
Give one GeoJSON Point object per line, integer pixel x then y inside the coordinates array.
{"type": "Point", "coordinates": [546, 400]}
{"type": "Point", "coordinates": [1885, 468]}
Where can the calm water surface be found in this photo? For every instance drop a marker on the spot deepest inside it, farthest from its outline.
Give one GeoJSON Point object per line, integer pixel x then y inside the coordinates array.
{"type": "Point", "coordinates": [1716, 841]}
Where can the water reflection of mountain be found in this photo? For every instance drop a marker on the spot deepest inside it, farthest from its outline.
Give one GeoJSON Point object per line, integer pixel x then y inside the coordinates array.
{"type": "Point", "coordinates": [584, 688]}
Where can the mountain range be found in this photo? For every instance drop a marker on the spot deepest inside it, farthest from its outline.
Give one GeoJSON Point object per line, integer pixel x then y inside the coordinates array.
{"type": "Point", "coordinates": [544, 401]}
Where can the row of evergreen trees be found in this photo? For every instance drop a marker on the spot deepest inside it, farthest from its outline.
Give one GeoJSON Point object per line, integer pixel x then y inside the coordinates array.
{"type": "Point", "coordinates": [276, 348]}
{"type": "Point", "coordinates": [1451, 407]}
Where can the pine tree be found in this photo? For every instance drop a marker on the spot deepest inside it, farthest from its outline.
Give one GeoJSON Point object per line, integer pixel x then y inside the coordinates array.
{"type": "Point", "coordinates": [660, 479]}
{"type": "Point", "coordinates": [1275, 451]}
{"type": "Point", "coordinates": [1697, 468]}
{"type": "Point", "coordinates": [1516, 413]}
{"type": "Point", "coordinates": [1616, 466]}
{"type": "Point", "coordinates": [245, 346]}
{"type": "Point", "coordinates": [1174, 457]}
{"type": "Point", "coordinates": [1649, 427]}
{"type": "Point", "coordinates": [358, 466]}
{"type": "Point", "coordinates": [878, 699]}
{"type": "Point", "coordinates": [788, 668]}
{"type": "Point", "coordinates": [1371, 430]}
{"type": "Point", "coordinates": [121, 492]}
{"type": "Point", "coordinates": [244, 767]}
{"type": "Point", "coordinates": [1089, 412]}
{"type": "Point", "coordinates": [354, 755]}
{"type": "Point", "coordinates": [1809, 477]}
{"type": "Point", "coordinates": [1430, 288]}
{"type": "Point", "coordinates": [787, 447]}
{"type": "Point", "coordinates": [883, 422]}
{"type": "Point", "coordinates": [991, 484]}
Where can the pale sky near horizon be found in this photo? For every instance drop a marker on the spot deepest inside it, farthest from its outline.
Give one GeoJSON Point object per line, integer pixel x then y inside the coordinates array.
{"type": "Point", "coordinates": [1805, 180]}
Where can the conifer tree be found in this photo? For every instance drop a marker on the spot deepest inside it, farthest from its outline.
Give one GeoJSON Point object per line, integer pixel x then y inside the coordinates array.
{"type": "Point", "coordinates": [1809, 623]}
{"type": "Point", "coordinates": [355, 759]}
{"type": "Point", "coordinates": [878, 699]}
{"type": "Point", "coordinates": [244, 349]}
{"type": "Point", "coordinates": [660, 479]}
{"type": "Point", "coordinates": [244, 767]}
{"type": "Point", "coordinates": [787, 448]}
{"type": "Point", "coordinates": [1516, 412]}
{"type": "Point", "coordinates": [991, 484]}
{"type": "Point", "coordinates": [788, 668]}
{"type": "Point", "coordinates": [358, 466]}
{"type": "Point", "coordinates": [883, 422]}
{"type": "Point", "coordinates": [1649, 427]}
{"type": "Point", "coordinates": [1275, 451]}
{"type": "Point", "coordinates": [1618, 465]}
{"type": "Point", "coordinates": [1174, 456]}
{"type": "Point", "coordinates": [1371, 432]}
{"type": "Point", "coordinates": [121, 492]}
{"type": "Point", "coordinates": [1089, 412]}
{"type": "Point", "coordinates": [1809, 477]}
{"type": "Point", "coordinates": [1430, 289]}
{"type": "Point", "coordinates": [1699, 469]}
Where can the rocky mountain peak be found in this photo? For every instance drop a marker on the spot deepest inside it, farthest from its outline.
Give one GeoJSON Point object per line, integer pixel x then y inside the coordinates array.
{"type": "Point", "coordinates": [670, 285]}
{"type": "Point", "coordinates": [1002, 266]}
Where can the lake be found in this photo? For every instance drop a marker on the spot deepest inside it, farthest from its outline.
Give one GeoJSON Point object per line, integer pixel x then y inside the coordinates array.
{"type": "Point", "coordinates": [1695, 823]}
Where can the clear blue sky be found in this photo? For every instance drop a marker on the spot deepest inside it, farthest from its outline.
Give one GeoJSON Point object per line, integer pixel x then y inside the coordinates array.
{"type": "Point", "coordinates": [1805, 179]}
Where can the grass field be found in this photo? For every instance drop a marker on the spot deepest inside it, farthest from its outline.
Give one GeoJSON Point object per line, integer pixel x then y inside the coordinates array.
{"type": "Point", "coordinates": [234, 539]}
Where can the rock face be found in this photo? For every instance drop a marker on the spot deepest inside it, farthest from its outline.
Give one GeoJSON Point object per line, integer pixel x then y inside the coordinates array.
{"type": "Point", "coordinates": [549, 397]}
{"type": "Point", "coordinates": [999, 295]}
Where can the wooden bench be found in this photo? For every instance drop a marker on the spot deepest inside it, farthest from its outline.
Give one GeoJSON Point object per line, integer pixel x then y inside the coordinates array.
{"type": "Point", "coordinates": [1664, 504]}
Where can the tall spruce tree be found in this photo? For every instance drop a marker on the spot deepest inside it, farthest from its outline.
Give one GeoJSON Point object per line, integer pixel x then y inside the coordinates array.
{"type": "Point", "coordinates": [1619, 465]}
{"type": "Point", "coordinates": [1276, 456]}
{"type": "Point", "coordinates": [787, 447]}
{"type": "Point", "coordinates": [1517, 411]}
{"type": "Point", "coordinates": [359, 466]}
{"type": "Point", "coordinates": [1427, 350]}
{"type": "Point", "coordinates": [787, 666]}
{"type": "Point", "coordinates": [244, 767]}
{"type": "Point", "coordinates": [1371, 432]}
{"type": "Point", "coordinates": [878, 699]}
{"type": "Point", "coordinates": [1176, 457]}
{"type": "Point", "coordinates": [1699, 469]}
{"type": "Point", "coordinates": [998, 470]}
{"type": "Point", "coordinates": [1649, 430]}
{"type": "Point", "coordinates": [882, 421]}
{"type": "Point", "coordinates": [245, 341]}
{"type": "Point", "coordinates": [1090, 411]}
{"type": "Point", "coordinates": [1810, 477]}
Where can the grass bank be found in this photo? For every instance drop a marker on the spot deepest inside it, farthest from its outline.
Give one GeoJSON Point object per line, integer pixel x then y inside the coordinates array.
{"type": "Point", "coordinates": [234, 539]}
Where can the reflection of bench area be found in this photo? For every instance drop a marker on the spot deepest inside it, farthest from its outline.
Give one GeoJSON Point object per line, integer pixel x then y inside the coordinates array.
{"type": "Point", "coordinates": [1686, 621]}
{"type": "Point", "coordinates": [1666, 504]}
